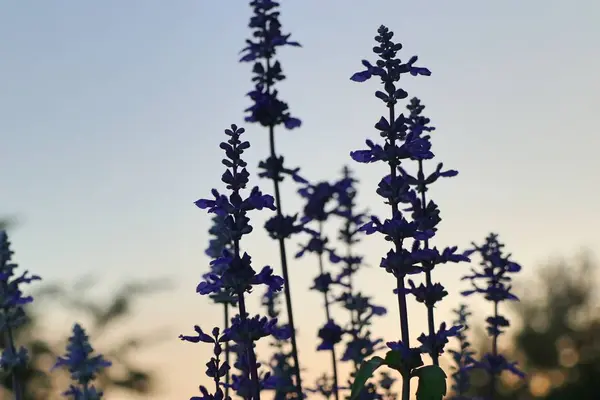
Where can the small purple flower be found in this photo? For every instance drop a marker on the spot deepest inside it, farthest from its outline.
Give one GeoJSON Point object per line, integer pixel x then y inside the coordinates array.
{"type": "Point", "coordinates": [12, 301]}
{"type": "Point", "coordinates": [463, 357]}
{"type": "Point", "coordinates": [330, 334]}
{"type": "Point", "coordinates": [82, 366]}
{"type": "Point", "coordinates": [410, 358]}
{"type": "Point", "coordinates": [434, 344]}
{"type": "Point", "coordinates": [495, 270]}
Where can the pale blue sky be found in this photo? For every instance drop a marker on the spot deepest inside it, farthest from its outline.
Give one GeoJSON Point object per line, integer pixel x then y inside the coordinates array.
{"type": "Point", "coordinates": [111, 113]}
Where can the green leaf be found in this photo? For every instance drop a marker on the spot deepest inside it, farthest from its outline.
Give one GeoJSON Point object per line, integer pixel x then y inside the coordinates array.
{"type": "Point", "coordinates": [432, 383]}
{"type": "Point", "coordinates": [393, 360]}
{"type": "Point", "coordinates": [364, 373]}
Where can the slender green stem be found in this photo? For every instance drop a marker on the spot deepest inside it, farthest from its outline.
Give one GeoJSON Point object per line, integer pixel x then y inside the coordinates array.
{"type": "Point", "coordinates": [493, 377]}
{"type": "Point", "coordinates": [400, 285]}
{"type": "Point", "coordinates": [428, 282]}
{"type": "Point", "coordinates": [227, 351]}
{"type": "Point", "coordinates": [328, 316]}
{"type": "Point", "coordinates": [283, 256]}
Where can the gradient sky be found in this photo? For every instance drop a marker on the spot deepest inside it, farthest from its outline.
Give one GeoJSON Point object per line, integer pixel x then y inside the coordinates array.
{"type": "Point", "coordinates": [111, 113]}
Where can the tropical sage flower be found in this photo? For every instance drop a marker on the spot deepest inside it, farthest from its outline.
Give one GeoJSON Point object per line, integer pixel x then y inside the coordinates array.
{"type": "Point", "coordinates": [12, 314]}
{"type": "Point", "coordinates": [400, 144]}
{"type": "Point", "coordinates": [215, 369]}
{"type": "Point", "coordinates": [494, 273]}
{"type": "Point", "coordinates": [361, 344]}
{"type": "Point", "coordinates": [232, 273]}
{"type": "Point", "coordinates": [427, 214]}
{"type": "Point", "coordinates": [463, 357]}
{"type": "Point", "coordinates": [269, 111]}
{"type": "Point", "coordinates": [82, 365]}
{"type": "Point", "coordinates": [386, 381]}
{"type": "Point", "coordinates": [317, 210]}
{"type": "Point", "coordinates": [282, 371]}
{"type": "Point", "coordinates": [218, 243]}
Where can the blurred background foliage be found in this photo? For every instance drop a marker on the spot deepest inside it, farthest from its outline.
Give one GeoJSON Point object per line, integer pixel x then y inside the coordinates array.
{"type": "Point", "coordinates": [126, 375]}
{"type": "Point", "coordinates": [555, 335]}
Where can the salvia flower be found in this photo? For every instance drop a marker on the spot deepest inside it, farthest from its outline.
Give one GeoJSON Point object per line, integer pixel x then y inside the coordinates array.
{"type": "Point", "coordinates": [360, 344]}
{"type": "Point", "coordinates": [330, 335]}
{"type": "Point", "coordinates": [323, 386]}
{"type": "Point", "coordinates": [494, 273]}
{"type": "Point", "coordinates": [82, 365]}
{"type": "Point", "coordinates": [463, 357]}
{"type": "Point", "coordinates": [386, 381]}
{"type": "Point", "coordinates": [426, 214]}
{"type": "Point", "coordinates": [318, 208]}
{"type": "Point", "coordinates": [400, 144]}
{"type": "Point", "coordinates": [219, 243]}
{"type": "Point", "coordinates": [241, 383]}
{"type": "Point", "coordinates": [267, 109]}
{"type": "Point", "coordinates": [270, 111]}
{"type": "Point", "coordinates": [282, 370]}
{"type": "Point", "coordinates": [232, 272]}
{"type": "Point", "coordinates": [12, 314]}
{"type": "Point", "coordinates": [215, 368]}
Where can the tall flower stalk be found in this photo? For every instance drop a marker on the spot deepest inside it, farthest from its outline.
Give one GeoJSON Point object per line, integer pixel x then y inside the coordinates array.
{"type": "Point", "coordinates": [269, 111]}
{"type": "Point", "coordinates": [495, 270]}
{"type": "Point", "coordinates": [232, 272]}
{"type": "Point", "coordinates": [220, 242]}
{"type": "Point", "coordinates": [401, 143]}
{"type": "Point", "coordinates": [317, 210]}
{"type": "Point", "coordinates": [82, 365]}
{"type": "Point", "coordinates": [361, 310]}
{"type": "Point", "coordinates": [427, 214]}
{"type": "Point", "coordinates": [463, 357]}
{"type": "Point", "coordinates": [281, 369]}
{"type": "Point", "coordinates": [12, 314]}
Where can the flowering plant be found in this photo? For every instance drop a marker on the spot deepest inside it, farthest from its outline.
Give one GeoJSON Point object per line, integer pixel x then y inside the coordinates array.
{"type": "Point", "coordinates": [410, 228]}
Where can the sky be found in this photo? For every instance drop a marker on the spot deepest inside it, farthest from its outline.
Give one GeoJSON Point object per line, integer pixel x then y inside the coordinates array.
{"type": "Point", "coordinates": [111, 114]}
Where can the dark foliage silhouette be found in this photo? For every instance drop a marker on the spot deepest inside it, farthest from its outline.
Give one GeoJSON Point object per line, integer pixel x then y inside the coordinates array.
{"type": "Point", "coordinates": [557, 335]}
{"type": "Point", "coordinates": [40, 384]}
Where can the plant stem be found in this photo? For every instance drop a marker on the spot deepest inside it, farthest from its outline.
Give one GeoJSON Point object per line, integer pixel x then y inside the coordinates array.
{"type": "Point", "coordinates": [251, 357]}
{"type": "Point", "coordinates": [493, 380]}
{"type": "Point", "coordinates": [216, 377]}
{"type": "Point", "coordinates": [16, 384]}
{"type": "Point", "coordinates": [250, 351]}
{"type": "Point", "coordinates": [328, 316]}
{"type": "Point", "coordinates": [227, 353]}
{"type": "Point", "coordinates": [430, 317]}
{"type": "Point", "coordinates": [346, 234]}
{"type": "Point", "coordinates": [402, 307]}
{"type": "Point", "coordinates": [354, 317]}
{"type": "Point", "coordinates": [10, 342]}
{"type": "Point", "coordinates": [283, 255]}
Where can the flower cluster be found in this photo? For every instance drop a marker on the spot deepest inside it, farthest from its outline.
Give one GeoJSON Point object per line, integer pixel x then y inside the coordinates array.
{"type": "Point", "coordinates": [280, 365]}
{"type": "Point", "coordinates": [405, 139]}
{"type": "Point", "coordinates": [317, 210]}
{"type": "Point", "coordinates": [12, 314]}
{"type": "Point", "coordinates": [82, 366]}
{"type": "Point", "coordinates": [495, 270]}
{"type": "Point", "coordinates": [463, 357]}
{"type": "Point", "coordinates": [361, 344]}
{"type": "Point", "coordinates": [232, 272]}
{"type": "Point", "coordinates": [405, 148]}
{"type": "Point", "coordinates": [219, 244]}
{"type": "Point", "coordinates": [269, 110]}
